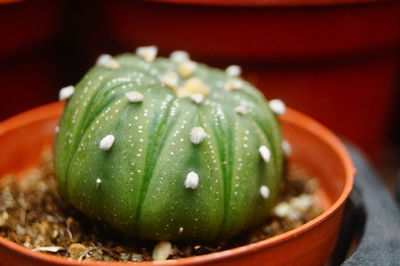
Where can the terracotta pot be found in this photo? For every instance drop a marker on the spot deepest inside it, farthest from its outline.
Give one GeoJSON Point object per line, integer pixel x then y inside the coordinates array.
{"type": "Point", "coordinates": [330, 59]}
{"type": "Point", "coordinates": [24, 137]}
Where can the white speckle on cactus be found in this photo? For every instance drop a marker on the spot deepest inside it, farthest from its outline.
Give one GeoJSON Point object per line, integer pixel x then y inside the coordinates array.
{"type": "Point", "coordinates": [197, 135]}
{"type": "Point", "coordinates": [180, 230]}
{"type": "Point", "coordinates": [187, 68]}
{"type": "Point", "coordinates": [265, 153]}
{"type": "Point", "coordinates": [147, 53]}
{"type": "Point", "coordinates": [170, 79]}
{"type": "Point", "coordinates": [191, 180]}
{"type": "Point", "coordinates": [179, 56]}
{"type": "Point", "coordinates": [106, 142]}
{"type": "Point", "coordinates": [264, 191]}
{"type": "Point", "coordinates": [57, 129]}
{"type": "Point", "coordinates": [233, 70]}
{"type": "Point", "coordinates": [233, 85]}
{"type": "Point", "coordinates": [287, 148]}
{"type": "Point", "coordinates": [241, 110]}
{"type": "Point", "coordinates": [197, 98]}
{"type": "Point", "coordinates": [277, 106]}
{"type": "Point", "coordinates": [66, 93]}
{"type": "Point", "coordinates": [134, 96]}
{"type": "Point", "coordinates": [162, 250]}
{"type": "Point", "coordinates": [107, 61]}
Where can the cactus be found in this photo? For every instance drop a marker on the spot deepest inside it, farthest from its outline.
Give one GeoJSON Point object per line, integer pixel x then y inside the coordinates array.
{"type": "Point", "coordinates": [168, 149]}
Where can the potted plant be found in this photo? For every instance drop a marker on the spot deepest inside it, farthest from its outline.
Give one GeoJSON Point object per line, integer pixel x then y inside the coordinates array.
{"type": "Point", "coordinates": [169, 149]}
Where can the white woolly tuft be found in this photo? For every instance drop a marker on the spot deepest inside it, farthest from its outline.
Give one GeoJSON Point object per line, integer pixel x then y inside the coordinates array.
{"type": "Point", "coordinates": [197, 97]}
{"type": "Point", "coordinates": [134, 96]}
{"type": "Point", "coordinates": [233, 85]}
{"type": "Point", "coordinates": [192, 180]}
{"type": "Point", "coordinates": [147, 53]}
{"type": "Point", "coordinates": [191, 86]}
{"type": "Point", "coordinates": [187, 68]}
{"type": "Point", "coordinates": [286, 147]}
{"type": "Point", "coordinates": [170, 79]}
{"type": "Point", "coordinates": [107, 142]}
{"type": "Point", "coordinates": [264, 191]}
{"type": "Point", "coordinates": [233, 70]}
{"type": "Point", "coordinates": [241, 110]}
{"type": "Point", "coordinates": [107, 61]}
{"type": "Point", "coordinates": [179, 56]}
{"type": "Point", "coordinates": [66, 93]}
{"type": "Point", "coordinates": [197, 135]}
{"type": "Point", "coordinates": [98, 182]}
{"type": "Point", "coordinates": [265, 153]}
{"type": "Point", "coordinates": [277, 106]}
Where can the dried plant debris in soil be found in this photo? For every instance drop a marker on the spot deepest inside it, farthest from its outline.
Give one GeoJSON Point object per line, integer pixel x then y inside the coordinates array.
{"type": "Point", "coordinates": [33, 214]}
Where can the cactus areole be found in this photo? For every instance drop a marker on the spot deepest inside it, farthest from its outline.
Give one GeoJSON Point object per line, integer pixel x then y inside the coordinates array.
{"type": "Point", "coordinates": [164, 149]}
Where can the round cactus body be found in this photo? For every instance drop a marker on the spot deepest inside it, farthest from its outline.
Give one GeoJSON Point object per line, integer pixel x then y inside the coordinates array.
{"type": "Point", "coordinates": [168, 149]}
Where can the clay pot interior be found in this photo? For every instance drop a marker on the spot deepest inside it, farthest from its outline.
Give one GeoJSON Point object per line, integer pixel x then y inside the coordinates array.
{"type": "Point", "coordinates": [23, 139]}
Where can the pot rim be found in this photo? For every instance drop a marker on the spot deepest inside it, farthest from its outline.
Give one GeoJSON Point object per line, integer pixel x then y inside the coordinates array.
{"type": "Point", "coordinates": [291, 116]}
{"type": "Point", "coordinates": [266, 3]}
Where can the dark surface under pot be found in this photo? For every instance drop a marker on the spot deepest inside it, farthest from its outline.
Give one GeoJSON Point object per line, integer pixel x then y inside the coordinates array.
{"type": "Point", "coordinates": [370, 232]}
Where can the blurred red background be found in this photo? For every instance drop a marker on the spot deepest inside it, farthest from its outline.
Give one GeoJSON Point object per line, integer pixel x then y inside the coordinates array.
{"type": "Point", "coordinates": [334, 60]}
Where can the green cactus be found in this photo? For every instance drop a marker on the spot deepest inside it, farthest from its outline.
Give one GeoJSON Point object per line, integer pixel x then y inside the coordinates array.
{"type": "Point", "coordinates": [168, 149]}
